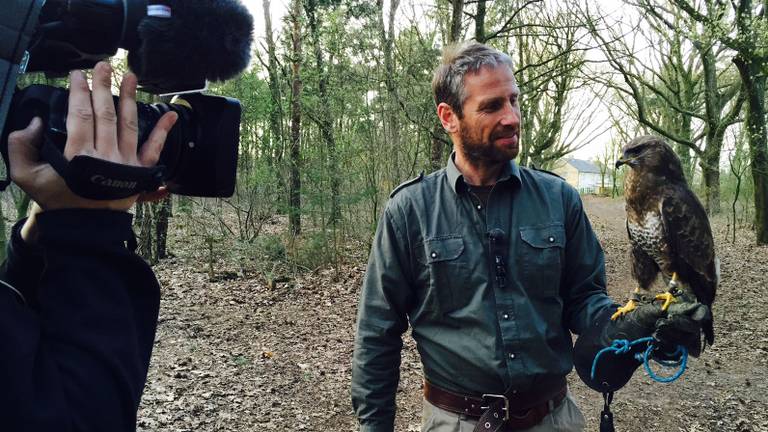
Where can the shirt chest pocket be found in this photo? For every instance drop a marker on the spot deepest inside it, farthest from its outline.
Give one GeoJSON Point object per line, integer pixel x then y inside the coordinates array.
{"type": "Point", "coordinates": [540, 255]}
{"type": "Point", "coordinates": [444, 272]}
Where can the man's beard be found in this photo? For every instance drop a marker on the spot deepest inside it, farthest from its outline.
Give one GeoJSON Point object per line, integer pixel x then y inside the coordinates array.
{"type": "Point", "coordinates": [477, 151]}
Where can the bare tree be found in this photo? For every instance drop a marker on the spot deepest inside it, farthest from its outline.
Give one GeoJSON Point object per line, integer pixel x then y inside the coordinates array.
{"type": "Point", "coordinates": [665, 92]}
{"type": "Point", "coordinates": [738, 162]}
{"type": "Point", "coordinates": [743, 31]}
{"type": "Point", "coordinates": [549, 57]}
{"type": "Point", "coordinates": [454, 36]}
{"type": "Point", "coordinates": [391, 121]}
{"type": "Point", "coordinates": [324, 115]}
{"type": "Point", "coordinates": [294, 192]}
{"type": "Point", "coordinates": [276, 149]}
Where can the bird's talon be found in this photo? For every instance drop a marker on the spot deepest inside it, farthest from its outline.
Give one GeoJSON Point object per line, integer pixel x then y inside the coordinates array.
{"type": "Point", "coordinates": [668, 298]}
{"type": "Point", "coordinates": [623, 310]}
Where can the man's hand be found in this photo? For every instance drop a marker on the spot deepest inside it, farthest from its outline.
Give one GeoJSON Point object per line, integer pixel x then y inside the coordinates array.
{"type": "Point", "coordinates": [682, 326]}
{"type": "Point", "coordinates": [679, 325]}
{"type": "Point", "coordinates": [95, 129]}
{"type": "Point", "coordinates": [639, 323]}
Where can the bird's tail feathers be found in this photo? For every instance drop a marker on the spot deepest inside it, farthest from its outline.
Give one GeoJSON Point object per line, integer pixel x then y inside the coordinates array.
{"type": "Point", "coordinates": [709, 333]}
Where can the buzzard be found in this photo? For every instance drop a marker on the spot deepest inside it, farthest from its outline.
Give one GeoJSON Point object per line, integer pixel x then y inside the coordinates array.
{"type": "Point", "coordinates": [668, 229]}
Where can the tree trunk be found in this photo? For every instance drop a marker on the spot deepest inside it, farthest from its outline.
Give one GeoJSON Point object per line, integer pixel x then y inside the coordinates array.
{"type": "Point", "coordinates": [436, 157]}
{"type": "Point", "coordinates": [754, 83]}
{"type": "Point", "coordinates": [325, 115]}
{"type": "Point", "coordinates": [161, 228]}
{"type": "Point", "coordinates": [711, 178]}
{"type": "Point", "coordinates": [480, 21]}
{"type": "Point", "coordinates": [144, 223]}
{"type": "Point", "coordinates": [710, 158]}
{"type": "Point", "coordinates": [294, 192]}
{"type": "Point", "coordinates": [392, 125]}
{"type": "Point", "coordinates": [457, 15]}
{"type": "Point", "coordinates": [736, 194]}
{"type": "Point", "coordinates": [750, 61]}
{"type": "Point", "coordinates": [275, 150]}
{"type": "Point", "coordinates": [437, 149]}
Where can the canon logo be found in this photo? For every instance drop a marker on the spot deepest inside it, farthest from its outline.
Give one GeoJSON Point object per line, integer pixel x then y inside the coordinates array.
{"type": "Point", "coordinates": [122, 184]}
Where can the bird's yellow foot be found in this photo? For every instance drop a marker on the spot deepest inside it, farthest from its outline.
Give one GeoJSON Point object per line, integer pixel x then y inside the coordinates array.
{"type": "Point", "coordinates": [668, 298]}
{"type": "Point", "coordinates": [623, 310]}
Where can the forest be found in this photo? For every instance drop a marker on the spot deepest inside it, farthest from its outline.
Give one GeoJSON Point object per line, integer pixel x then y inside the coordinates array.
{"type": "Point", "coordinates": [338, 110]}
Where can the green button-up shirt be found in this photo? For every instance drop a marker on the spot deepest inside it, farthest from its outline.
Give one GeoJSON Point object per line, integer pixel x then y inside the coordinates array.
{"type": "Point", "coordinates": [432, 265]}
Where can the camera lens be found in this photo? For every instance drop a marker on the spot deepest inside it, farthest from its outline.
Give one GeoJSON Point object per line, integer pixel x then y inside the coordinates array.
{"type": "Point", "coordinates": [200, 153]}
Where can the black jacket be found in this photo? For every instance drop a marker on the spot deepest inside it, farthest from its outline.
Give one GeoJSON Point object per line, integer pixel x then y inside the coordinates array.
{"type": "Point", "coordinates": [76, 335]}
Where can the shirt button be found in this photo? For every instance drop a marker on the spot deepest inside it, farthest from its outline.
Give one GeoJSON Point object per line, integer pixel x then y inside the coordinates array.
{"type": "Point", "coordinates": [551, 239]}
{"type": "Point", "coordinates": [505, 316]}
{"type": "Point", "coordinates": [512, 356]}
{"type": "Point", "coordinates": [433, 254]}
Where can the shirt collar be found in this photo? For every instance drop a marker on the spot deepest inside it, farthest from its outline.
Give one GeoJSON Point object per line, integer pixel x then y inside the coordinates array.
{"type": "Point", "coordinates": [510, 171]}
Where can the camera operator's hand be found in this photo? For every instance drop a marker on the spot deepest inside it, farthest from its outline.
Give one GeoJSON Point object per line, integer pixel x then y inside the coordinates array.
{"type": "Point", "coordinates": [93, 129]}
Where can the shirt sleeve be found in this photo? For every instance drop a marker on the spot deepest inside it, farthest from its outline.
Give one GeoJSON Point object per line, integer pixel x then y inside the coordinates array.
{"type": "Point", "coordinates": [583, 285]}
{"type": "Point", "coordinates": [381, 322]}
{"type": "Point", "coordinates": [76, 349]}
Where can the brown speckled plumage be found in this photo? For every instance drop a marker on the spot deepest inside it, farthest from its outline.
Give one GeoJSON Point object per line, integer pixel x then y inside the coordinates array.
{"type": "Point", "coordinates": [667, 225]}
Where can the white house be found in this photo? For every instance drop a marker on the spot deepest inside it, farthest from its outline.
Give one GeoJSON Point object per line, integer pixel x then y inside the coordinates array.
{"type": "Point", "coordinates": [581, 174]}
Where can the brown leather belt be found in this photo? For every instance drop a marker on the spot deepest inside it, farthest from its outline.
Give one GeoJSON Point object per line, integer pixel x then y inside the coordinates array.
{"type": "Point", "coordinates": [474, 406]}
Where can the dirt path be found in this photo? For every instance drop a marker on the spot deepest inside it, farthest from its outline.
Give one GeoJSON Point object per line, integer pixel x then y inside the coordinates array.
{"type": "Point", "coordinates": [235, 355]}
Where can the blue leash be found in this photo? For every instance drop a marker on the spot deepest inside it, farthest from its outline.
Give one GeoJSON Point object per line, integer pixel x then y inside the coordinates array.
{"type": "Point", "coordinates": [623, 346]}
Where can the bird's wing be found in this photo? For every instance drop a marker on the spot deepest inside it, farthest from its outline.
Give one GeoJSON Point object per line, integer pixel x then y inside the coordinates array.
{"type": "Point", "coordinates": [689, 237]}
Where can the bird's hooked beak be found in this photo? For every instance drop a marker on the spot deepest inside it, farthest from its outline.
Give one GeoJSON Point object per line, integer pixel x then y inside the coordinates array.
{"type": "Point", "coordinates": [624, 160]}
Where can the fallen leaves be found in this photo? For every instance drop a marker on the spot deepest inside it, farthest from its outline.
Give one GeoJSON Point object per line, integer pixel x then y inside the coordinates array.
{"type": "Point", "coordinates": [235, 354]}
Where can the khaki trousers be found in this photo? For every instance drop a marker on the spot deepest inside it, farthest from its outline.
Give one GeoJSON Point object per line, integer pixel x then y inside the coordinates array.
{"type": "Point", "coordinates": [566, 417]}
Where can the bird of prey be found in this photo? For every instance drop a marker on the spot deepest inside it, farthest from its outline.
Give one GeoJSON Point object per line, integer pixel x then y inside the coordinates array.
{"type": "Point", "coordinates": [668, 229]}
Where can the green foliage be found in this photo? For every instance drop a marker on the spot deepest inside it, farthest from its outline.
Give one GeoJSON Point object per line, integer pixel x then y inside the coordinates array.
{"type": "Point", "coordinates": [383, 118]}
{"type": "Point", "coordinates": [312, 251]}
{"type": "Point", "coordinates": [270, 248]}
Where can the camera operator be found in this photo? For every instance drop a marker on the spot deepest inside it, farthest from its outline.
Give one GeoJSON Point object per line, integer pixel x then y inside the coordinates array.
{"type": "Point", "coordinates": [78, 310]}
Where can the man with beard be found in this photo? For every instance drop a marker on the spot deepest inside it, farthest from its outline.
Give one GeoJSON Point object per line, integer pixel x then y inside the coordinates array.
{"type": "Point", "coordinates": [491, 264]}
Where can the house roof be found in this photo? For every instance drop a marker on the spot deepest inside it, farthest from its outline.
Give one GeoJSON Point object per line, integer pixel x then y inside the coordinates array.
{"type": "Point", "coordinates": [584, 166]}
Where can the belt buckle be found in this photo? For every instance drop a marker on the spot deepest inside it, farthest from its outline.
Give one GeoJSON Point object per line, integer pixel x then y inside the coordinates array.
{"type": "Point", "coordinates": [505, 409]}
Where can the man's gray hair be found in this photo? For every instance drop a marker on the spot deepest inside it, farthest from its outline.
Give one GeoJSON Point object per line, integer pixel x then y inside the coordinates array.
{"type": "Point", "coordinates": [459, 60]}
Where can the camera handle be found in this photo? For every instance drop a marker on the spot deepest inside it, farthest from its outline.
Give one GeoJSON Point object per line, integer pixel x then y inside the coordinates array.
{"type": "Point", "coordinates": [99, 179]}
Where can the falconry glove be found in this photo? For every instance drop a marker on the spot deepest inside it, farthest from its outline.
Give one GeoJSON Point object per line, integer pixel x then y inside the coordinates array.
{"type": "Point", "coordinates": [682, 326]}
{"type": "Point", "coordinates": [613, 371]}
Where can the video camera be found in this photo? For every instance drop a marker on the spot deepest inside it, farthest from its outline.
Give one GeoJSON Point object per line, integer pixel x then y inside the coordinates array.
{"type": "Point", "coordinates": [174, 47]}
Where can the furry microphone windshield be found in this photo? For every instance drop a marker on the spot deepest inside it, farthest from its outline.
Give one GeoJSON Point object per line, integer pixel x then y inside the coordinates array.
{"type": "Point", "coordinates": [183, 43]}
